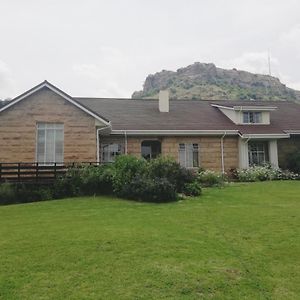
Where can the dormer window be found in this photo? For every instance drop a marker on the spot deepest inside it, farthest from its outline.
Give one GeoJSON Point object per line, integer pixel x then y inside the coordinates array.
{"type": "Point", "coordinates": [252, 117]}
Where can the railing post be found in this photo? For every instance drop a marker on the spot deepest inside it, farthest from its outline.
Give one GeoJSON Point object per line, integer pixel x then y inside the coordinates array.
{"type": "Point", "coordinates": [19, 171]}
{"type": "Point", "coordinates": [36, 171]}
{"type": "Point", "coordinates": [55, 170]}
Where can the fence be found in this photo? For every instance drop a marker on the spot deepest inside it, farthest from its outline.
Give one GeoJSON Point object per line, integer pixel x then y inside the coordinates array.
{"type": "Point", "coordinates": [35, 172]}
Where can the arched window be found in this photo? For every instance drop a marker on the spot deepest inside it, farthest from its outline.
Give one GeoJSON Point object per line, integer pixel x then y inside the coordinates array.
{"type": "Point", "coordinates": [151, 149]}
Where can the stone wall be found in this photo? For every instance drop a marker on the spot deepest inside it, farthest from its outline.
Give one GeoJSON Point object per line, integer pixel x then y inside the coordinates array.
{"type": "Point", "coordinates": [18, 128]}
{"type": "Point", "coordinates": [209, 149]}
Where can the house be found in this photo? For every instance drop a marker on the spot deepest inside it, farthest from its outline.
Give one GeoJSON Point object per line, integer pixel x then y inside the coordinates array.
{"type": "Point", "coordinates": [46, 125]}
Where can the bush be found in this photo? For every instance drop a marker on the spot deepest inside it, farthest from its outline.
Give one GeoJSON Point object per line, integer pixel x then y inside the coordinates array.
{"type": "Point", "coordinates": [127, 168]}
{"type": "Point", "coordinates": [157, 180]}
{"type": "Point", "coordinates": [210, 178]}
{"type": "Point", "coordinates": [7, 193]}
{"type": "Point", "coordinates": [152, 190]}
{"type": "Point", "coordinates": [85, 180]}
{"type": "Point", "coordinates": [263, 173]}
{"type": "Point", "coordinates": [96, 180]}
{"type": "Point", "coordinates": [23, 193]}
{"type": "Point", "coordinates": [192, 189]}
{"type": "Point", "coordinates": [32, 192]}
{"type": "Point", "coordinates": [169, 169]}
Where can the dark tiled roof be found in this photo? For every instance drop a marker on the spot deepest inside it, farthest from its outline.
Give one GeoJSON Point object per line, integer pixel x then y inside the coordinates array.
{"type": "Point", "coordinates": [143, 114]}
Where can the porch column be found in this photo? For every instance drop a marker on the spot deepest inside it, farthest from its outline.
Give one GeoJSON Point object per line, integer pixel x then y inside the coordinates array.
{"type": "Point", "coordinates": [243, 154]}
{"type": "Point", "coordinates": [273, 153]}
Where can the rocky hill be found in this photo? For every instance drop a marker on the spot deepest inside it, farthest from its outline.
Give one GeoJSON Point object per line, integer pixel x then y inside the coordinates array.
{"type": "Point", "coordinates": [207, 82]}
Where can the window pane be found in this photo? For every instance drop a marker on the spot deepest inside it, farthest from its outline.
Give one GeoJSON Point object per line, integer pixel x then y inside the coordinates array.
{"type": "Point", "coordinates": [50, 145]}
{"type": "Point", "coordinates": [50, 142]}
{"type": "Point", "coordinates": [258, 117]}
{"type": "Point", "coordinates": [151, 149]}
{"type": "Point", "coordinates": [245, 117]}
{"type": "Point", "coordinates": [40, 146]}
{"type": "Point", "coordinates": [110, 152]}
{"type": "Point", "coordinates": [189, 156]}
{"type": "Point", "coordinates": [257, 153]}
{"type": "Point", "coordinates": [195, 155]}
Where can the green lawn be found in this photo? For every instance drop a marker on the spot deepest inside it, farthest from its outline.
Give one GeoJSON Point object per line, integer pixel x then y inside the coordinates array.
{"type": "Point", "coordinates": [240, 242]}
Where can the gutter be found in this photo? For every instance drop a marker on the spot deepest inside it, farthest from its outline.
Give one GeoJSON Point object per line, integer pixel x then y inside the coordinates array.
{"type": "Point", "coordinates": [174, 132]}
{"type": "Point", "coordinates": [125, 134]}
{"type": "Point", "coordinates": [97, 140]}
{"type": "Point", "coordinates": [222, 153]}
{"type": "Point", "coordinates": [265, 136]}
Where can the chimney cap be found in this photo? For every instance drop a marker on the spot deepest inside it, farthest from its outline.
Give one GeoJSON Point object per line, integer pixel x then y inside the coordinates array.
{"type": "Point", "coordinates": [163, 101]}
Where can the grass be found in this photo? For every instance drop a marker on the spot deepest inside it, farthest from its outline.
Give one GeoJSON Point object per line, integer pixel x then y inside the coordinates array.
{"type": "Point", "coordinates": [241, 242]}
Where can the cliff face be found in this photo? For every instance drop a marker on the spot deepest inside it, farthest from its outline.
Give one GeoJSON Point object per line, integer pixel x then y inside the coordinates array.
{"type": "Point", "coordinates": [207, 82]}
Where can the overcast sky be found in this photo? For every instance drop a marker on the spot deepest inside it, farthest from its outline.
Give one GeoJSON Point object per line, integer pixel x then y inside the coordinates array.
{"type": "Point", "coordinates": [107, 48]}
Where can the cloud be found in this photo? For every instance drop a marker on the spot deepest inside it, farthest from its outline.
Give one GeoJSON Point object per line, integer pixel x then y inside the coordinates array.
{"type": "Point", "coordinates": [7, 86]}
{"type": "Point", "coordinates": [291, 40]}
{"type": "Point", "coordinates": [254, 62]}
{"type": "Point", "coordinates": [106, 75]}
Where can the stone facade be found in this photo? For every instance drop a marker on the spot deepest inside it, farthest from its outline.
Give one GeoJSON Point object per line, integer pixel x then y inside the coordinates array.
{"type": "Point", "coordinates": [18, 128]}
{"type": "Point", "coordinates": [18, 134]}
{"type": "Point", "coordinates": [209, 149]}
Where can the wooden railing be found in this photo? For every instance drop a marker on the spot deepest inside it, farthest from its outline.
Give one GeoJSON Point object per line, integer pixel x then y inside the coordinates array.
{"type": "Point", "coordinates": [35, 172]}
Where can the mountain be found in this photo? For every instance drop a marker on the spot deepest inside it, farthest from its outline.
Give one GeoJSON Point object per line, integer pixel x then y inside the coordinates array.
{"type": "Point", "coordinates": [208, 82]}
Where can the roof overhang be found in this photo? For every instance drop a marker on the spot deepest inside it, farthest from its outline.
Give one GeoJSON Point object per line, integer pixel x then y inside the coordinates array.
{"type": "Point", "coordinates": [246, 107]}
{"type": "Point", "coordinates": [265, 136]}
{"type": "Point", "coordinates": [294, 132]}
{"type": "Point", "coordinates": [254, 108]}
{"type": "Point", "coordinates": [175, 132]}
{"type": "Point", "coordinates": [58, 92]}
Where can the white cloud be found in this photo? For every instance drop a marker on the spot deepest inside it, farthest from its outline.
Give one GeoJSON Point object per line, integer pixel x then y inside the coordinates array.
{"type": "Point", "coordinates": [6, 81]}
{"type": "Point", "coordinates": [254, 62]}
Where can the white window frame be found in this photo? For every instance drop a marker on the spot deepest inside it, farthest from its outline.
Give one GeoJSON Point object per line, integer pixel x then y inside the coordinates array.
{"type": "Point", "coordinates": [189, 149]}
{"type": "Point", "coordinates": [264, 151]}
{"type": "Point", "coordinates": [111, 154]}
{"type": "Point", "coordinates": [253, 117]}
{"type": "Point", "coordinates": [53, 126]}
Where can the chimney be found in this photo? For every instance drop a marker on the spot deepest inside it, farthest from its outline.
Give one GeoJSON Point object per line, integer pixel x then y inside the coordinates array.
{"type": "Point", "coordinates": [163, 101]}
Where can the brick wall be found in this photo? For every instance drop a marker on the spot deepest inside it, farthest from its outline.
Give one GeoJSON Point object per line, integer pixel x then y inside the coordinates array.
{"type": "Point", "coordinates": [18, 128]}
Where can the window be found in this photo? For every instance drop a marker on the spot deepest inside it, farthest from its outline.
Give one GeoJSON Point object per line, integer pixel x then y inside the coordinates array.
{"type": "Point", "coordinates": [50, 143]}
{"type": "Point", "coordinates": [151, 149]}
{"type": "Point", "coordinates": [110, 152]}
{"type": "Point", "coordinates": [189, 155]}
{"type": "Point", "coordinates": [258, 153]}
{"type": "Point", "coordinates": [252, 117]}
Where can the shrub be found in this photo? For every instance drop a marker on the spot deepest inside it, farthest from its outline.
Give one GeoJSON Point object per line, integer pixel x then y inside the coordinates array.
{"type": "Point", "coordinates": [157, 180]}
{"type": "Point", "coordinates": [210, 178]}
{"type": "Point", "coordinates": [32, 192]}
{"type": "Point", "coordinates": [96, 179]}
{"type": "Point", "coordinates": [256, 173]}
{"type": "Point", "coordinates": [22, 193]}
{"type": "Point", "coordinates": [127, 168]}
{"type": "Point", "coordinates": [152, 190]}
{"type": "Point", "coordinates": [263, 173]}
{"type": "Point", "coordinates": [192, 189]}
{"type": "Point", "coordinates": [169, 169]}
{"type": "Point", "coordinates": [7, 193]}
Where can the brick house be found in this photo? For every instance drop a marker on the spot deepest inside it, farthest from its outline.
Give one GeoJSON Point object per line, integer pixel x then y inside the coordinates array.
{"type": "Point", "coordinates": [46, 125]}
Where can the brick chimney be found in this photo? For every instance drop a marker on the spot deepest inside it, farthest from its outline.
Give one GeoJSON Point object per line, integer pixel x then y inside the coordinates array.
{"type": "Point", "coordinates": [163, 101]}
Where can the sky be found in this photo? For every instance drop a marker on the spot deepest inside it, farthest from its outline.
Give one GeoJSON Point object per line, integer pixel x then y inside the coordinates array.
{"type": "Point", "coordinates": [107, 48]}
